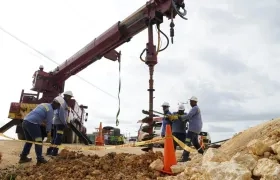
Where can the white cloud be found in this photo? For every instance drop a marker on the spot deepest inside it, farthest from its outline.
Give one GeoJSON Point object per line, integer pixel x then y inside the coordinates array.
{"type": "Point", "coordinates": [226, 54]}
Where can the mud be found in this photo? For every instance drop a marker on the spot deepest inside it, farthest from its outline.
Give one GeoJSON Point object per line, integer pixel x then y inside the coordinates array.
{"type": "Point", "coordinates": [75, 165]}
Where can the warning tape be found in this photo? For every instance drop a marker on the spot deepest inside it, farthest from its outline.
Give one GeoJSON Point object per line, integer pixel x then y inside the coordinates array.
{"type": "Point", "coordinates": [183, 145]}
{"type": "Point", "coordinates": [90, 147]}
{"type": "Point", "coordinates": [93, 147]}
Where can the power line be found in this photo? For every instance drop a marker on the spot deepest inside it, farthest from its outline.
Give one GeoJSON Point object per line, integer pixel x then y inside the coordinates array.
{"type": "Point", "coordinates": [37, 51]}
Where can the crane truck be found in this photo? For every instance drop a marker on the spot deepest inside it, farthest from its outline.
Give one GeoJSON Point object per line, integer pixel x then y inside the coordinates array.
{"type": "Point", "coordinates": [48, 85]}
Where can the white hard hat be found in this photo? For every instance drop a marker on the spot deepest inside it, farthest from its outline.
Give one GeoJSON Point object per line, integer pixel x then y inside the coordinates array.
{"type": "Point", "coordinates": [41, 67]}
{"type": "Point", "coordinates": [69, 93]}
{"type": "Point", "coordinates": [181, 107]}
{"type": "Point", "coordinates": [165, 104]}
{"type": "Point", "coordinates": [59, 99]}
{"type": "Point", "coordinates": [193, 98]}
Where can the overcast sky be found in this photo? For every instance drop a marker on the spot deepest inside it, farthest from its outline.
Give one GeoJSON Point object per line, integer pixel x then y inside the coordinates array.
{"type": "Point", "coordinates": [226, 54]}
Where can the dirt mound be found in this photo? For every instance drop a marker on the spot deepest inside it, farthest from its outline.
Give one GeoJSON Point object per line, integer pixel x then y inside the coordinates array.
{"type": "Point", "coordinates": [73, 165]}
{"type": "Point", "coordinates": [251, 154]}
{"type": "Point", "coordinates": [269, 131]}
{"type": "Point", "coordinates": [259, 162]}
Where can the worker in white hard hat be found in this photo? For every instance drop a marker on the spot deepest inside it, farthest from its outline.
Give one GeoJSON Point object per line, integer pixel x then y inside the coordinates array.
{"type": "Point", "coordinates": [179, 126]}
{"type": "Point", "coordinates": [195, 127]}
{"type": "Point", "coordinates": [43, 113]}
{"type": "Point", "coordinates": [41, 67]}
{"type": "Point", "coordinates": [166, 120]}
{"type": "Point", "coordinates": [60, 123]}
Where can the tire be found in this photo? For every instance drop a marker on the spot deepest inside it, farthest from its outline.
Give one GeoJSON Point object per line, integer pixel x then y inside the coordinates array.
{"type": "Point", "coordinates": [70, 137]}
{"type": "Point", "coordinates": [21, 136]}
{"type": "Point", "coordinates": [76, 138]}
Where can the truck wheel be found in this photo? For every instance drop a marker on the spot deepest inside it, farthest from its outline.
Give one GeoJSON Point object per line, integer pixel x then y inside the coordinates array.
{"type": "Point", "coordinates": [21, 136]}
{"type": "Point", "coordinates": [75, 137]}
{"type": "Point", "coordinates": [70, 138]}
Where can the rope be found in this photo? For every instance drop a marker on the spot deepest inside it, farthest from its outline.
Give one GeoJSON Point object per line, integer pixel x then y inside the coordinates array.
{"type": "Point", "coordinates": [119, 110]}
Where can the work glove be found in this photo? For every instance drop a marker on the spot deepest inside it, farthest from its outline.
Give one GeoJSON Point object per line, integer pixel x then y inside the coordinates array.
{"type": "Point", "coordinates": [172, 117]}
{"type": "Point", "coordinates": [49, 138]}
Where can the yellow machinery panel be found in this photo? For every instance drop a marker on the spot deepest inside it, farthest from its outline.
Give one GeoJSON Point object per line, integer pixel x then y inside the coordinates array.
{"type": "Point", "coordinates": [22, 111]}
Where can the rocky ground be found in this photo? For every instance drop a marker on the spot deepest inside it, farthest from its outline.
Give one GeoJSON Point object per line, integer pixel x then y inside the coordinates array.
{"type": "Point", "coordinates": [76, 166]}
{"type": "Point", "coordinates": [122, 163]}
{"type": "Point", "coordinates": [11, 149]}
{"type": "Point", "coordinates": [251, 154]}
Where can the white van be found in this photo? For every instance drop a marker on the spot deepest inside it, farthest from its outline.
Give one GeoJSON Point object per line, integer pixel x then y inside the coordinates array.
{"type": "Point", "coordinates": [157, 128]}
{"type": "Point", "coordinates": [143, 135]}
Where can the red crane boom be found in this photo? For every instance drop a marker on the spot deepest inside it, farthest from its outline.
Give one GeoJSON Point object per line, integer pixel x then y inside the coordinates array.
{"type": "Point", "coordinates": [51, 84]}
{"type": "Point", "coordinates": [105, 44]}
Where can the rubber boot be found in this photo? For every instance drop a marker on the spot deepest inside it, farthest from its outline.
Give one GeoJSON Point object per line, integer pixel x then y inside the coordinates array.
{"type": "Point", "coordinates": [55, 152]}
{"type": "Point", "coordinates": [49, 151]}
{"type": "Point", "coordinates": [24, 159]}
{"type": "Point", "coordinates": [201, 151]}
{"type": "Point", "coordinates": [184, 159]}
{"type": "Point", "coordinates": [41, 161]}
{"type": "Point", "coordinates": [185, 156]}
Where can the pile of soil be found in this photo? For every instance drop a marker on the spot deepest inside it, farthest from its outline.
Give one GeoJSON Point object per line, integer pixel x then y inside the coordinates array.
{"type": "Point", "coordinates": [268, 131]}
{"type": "Point", "coordinates": [74, 165]}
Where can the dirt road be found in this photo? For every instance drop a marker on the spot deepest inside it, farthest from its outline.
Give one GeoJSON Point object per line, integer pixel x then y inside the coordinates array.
{"type": "Point", "coordinates": [11, 149]}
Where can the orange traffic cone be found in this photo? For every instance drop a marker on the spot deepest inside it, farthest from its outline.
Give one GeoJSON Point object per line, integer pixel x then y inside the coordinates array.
{"type": "Point", "coordinates": [169, 153]}
{"type": "Point", "coordinates": [99, 140]}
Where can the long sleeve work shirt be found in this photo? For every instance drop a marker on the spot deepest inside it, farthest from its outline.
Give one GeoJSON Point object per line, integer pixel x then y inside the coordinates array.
{"type": "Point", "coordinates": [179, 126]}
{"type": "Point", "coordinates": [165, 121]}
{"type": "Point", "coordinates": [43, 113]}
{"type": "Point", "coordinates": [61, 114]}
{"type": "Point", "coordinates": [194, 118]}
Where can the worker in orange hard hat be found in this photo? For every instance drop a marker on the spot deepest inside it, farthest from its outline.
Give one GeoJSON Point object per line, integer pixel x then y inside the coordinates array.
{"type": "Point", "coordinates": [60, 123]}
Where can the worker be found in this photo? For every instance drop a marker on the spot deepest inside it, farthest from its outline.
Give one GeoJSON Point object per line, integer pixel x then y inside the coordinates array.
{"type": "Point", "coordinates": [31, 127]}
{"type": "Point", "coordinates": [179, 126]}
{"type": "Point", "coordinates": [41, 67]}
{"type": "Point", "coordinates": [60, 123]}
{"type": "Point", "coordinates": [166, 120]}
{"type": "Point", "coordinates": [195, 126]}
{"type": "Point", "coordinates": [106, 139]}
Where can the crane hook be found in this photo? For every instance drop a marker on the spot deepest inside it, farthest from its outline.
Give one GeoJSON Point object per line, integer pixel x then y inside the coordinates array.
{"type": "Point", "coordinates": [177, 9]}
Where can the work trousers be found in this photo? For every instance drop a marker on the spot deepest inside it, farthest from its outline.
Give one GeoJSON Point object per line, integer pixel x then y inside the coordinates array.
{"type": "Point", "coordinates": [106, 142]}
{"type": "Point", "coordinates": [192, 139]}
{"type": "Point", "coordinates": [57, 139]}
{"type": "Point", "coordinates": [32, 132]}
{"type": "Point", "coordinates": [180, 136]}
